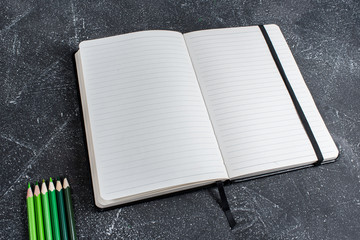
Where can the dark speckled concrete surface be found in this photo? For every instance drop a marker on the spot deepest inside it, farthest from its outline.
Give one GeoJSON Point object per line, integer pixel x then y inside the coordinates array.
{"type": "Point", "coordinates": [42, 135]}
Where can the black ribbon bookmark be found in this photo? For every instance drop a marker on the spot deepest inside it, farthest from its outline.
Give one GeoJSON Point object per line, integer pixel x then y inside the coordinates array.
{"type": "Point", "coordinates": [293, 98]}
{"type": "Point", "coordinates": [225, 205]}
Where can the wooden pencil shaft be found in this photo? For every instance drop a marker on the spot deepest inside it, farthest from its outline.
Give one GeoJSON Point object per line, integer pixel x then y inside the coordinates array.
{"type": "Point", "coordinates": [38, 214]}
{"type": "Point", "coordinates": [69, 213]}
{"type": "Point", "coordinates": [61, 210]}
{"type": "Point", "coordinates": [31, 214]}
{"type": "Point", "coordinates": [54, 212]}
{"type": "Point", "coordinates": [46, 211]}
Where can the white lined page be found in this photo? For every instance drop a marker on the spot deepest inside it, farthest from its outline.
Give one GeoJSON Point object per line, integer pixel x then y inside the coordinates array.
{"type": "Point", "coordinates": [149, 124]}
{"type": "Point", "coordinates": [254, 119]}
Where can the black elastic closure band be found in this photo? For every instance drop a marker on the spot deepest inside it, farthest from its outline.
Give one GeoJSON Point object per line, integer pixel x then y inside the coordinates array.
{"type": "Point", "coordinates": [293, 98]}
{"type": "Point", "coordinates": [225, 205]}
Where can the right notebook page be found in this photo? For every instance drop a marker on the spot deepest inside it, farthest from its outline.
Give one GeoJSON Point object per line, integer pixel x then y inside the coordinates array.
{"type": "Point", "coordinates": [253, 116]}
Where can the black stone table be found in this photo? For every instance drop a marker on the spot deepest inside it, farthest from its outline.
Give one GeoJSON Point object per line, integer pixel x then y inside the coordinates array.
{"type": "Point", "coordinates": [42, 133]}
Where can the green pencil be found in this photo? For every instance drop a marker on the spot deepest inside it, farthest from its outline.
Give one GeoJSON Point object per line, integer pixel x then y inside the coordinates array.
{"type": "Point", "coordinates": [46, 211]}
{"type": "Point", "coordinates": [61, 208]}
{"type": "Point", "coordinates": [69, 210]}
{"type": "Point", "coordinates": [38, 213]}
{"type": "Point", "coordinates": [54, 211]}
{"type": "Point", "coordinates": [31, 213]}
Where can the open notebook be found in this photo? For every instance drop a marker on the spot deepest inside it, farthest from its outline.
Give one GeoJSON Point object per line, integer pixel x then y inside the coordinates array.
{"type": "Point", "coordinates": [166, 111]}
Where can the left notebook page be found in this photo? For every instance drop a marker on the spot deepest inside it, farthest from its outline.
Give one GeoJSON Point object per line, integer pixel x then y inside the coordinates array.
{"type": "Point", "coordinates": [147, 126]}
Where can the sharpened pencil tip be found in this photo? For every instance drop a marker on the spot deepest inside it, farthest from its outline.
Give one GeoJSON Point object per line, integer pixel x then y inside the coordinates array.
{"type": "Point", "coordinates": [43, 188]}
{"type": "Point", "coordinates": [58, 185]}
{"type": "Point", "coordinates": [43, 180]}
{"type": "Point", "coordinates": [29, 191]}
{"type": "Point", "coordinates": [37, 183]}
{"type": "Point", "coordinates": [65, 183]}
{"type": "Point", "coordinates": [37, 189]}
{"type": "Point", "coordinates": [50, 179]}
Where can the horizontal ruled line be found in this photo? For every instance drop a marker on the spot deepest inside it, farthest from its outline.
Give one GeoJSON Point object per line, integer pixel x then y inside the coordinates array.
{"type": "Point", "coordinates": [177, 139]}
{"type": "Point", "coordinates": [156, 182]}
{"type": "Point", "coordinates": [209, 162]}
{"type": "Point", "coordinates": [139, 161]}
{"type": "Point", "coordinates": [273, 162]}
{"type": "Point", "coordinates": [145, 137]}
{"type": "Point", "coordinates": [171, 142]}
{"type": "Point", "coordinates": [154, 149]}
{"type": "Point", "coordinates": [117, 42]}
{"type": "Point", "coordinates": [142, 81]}
{"type": "Point", "coordinates": [212, 33]}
